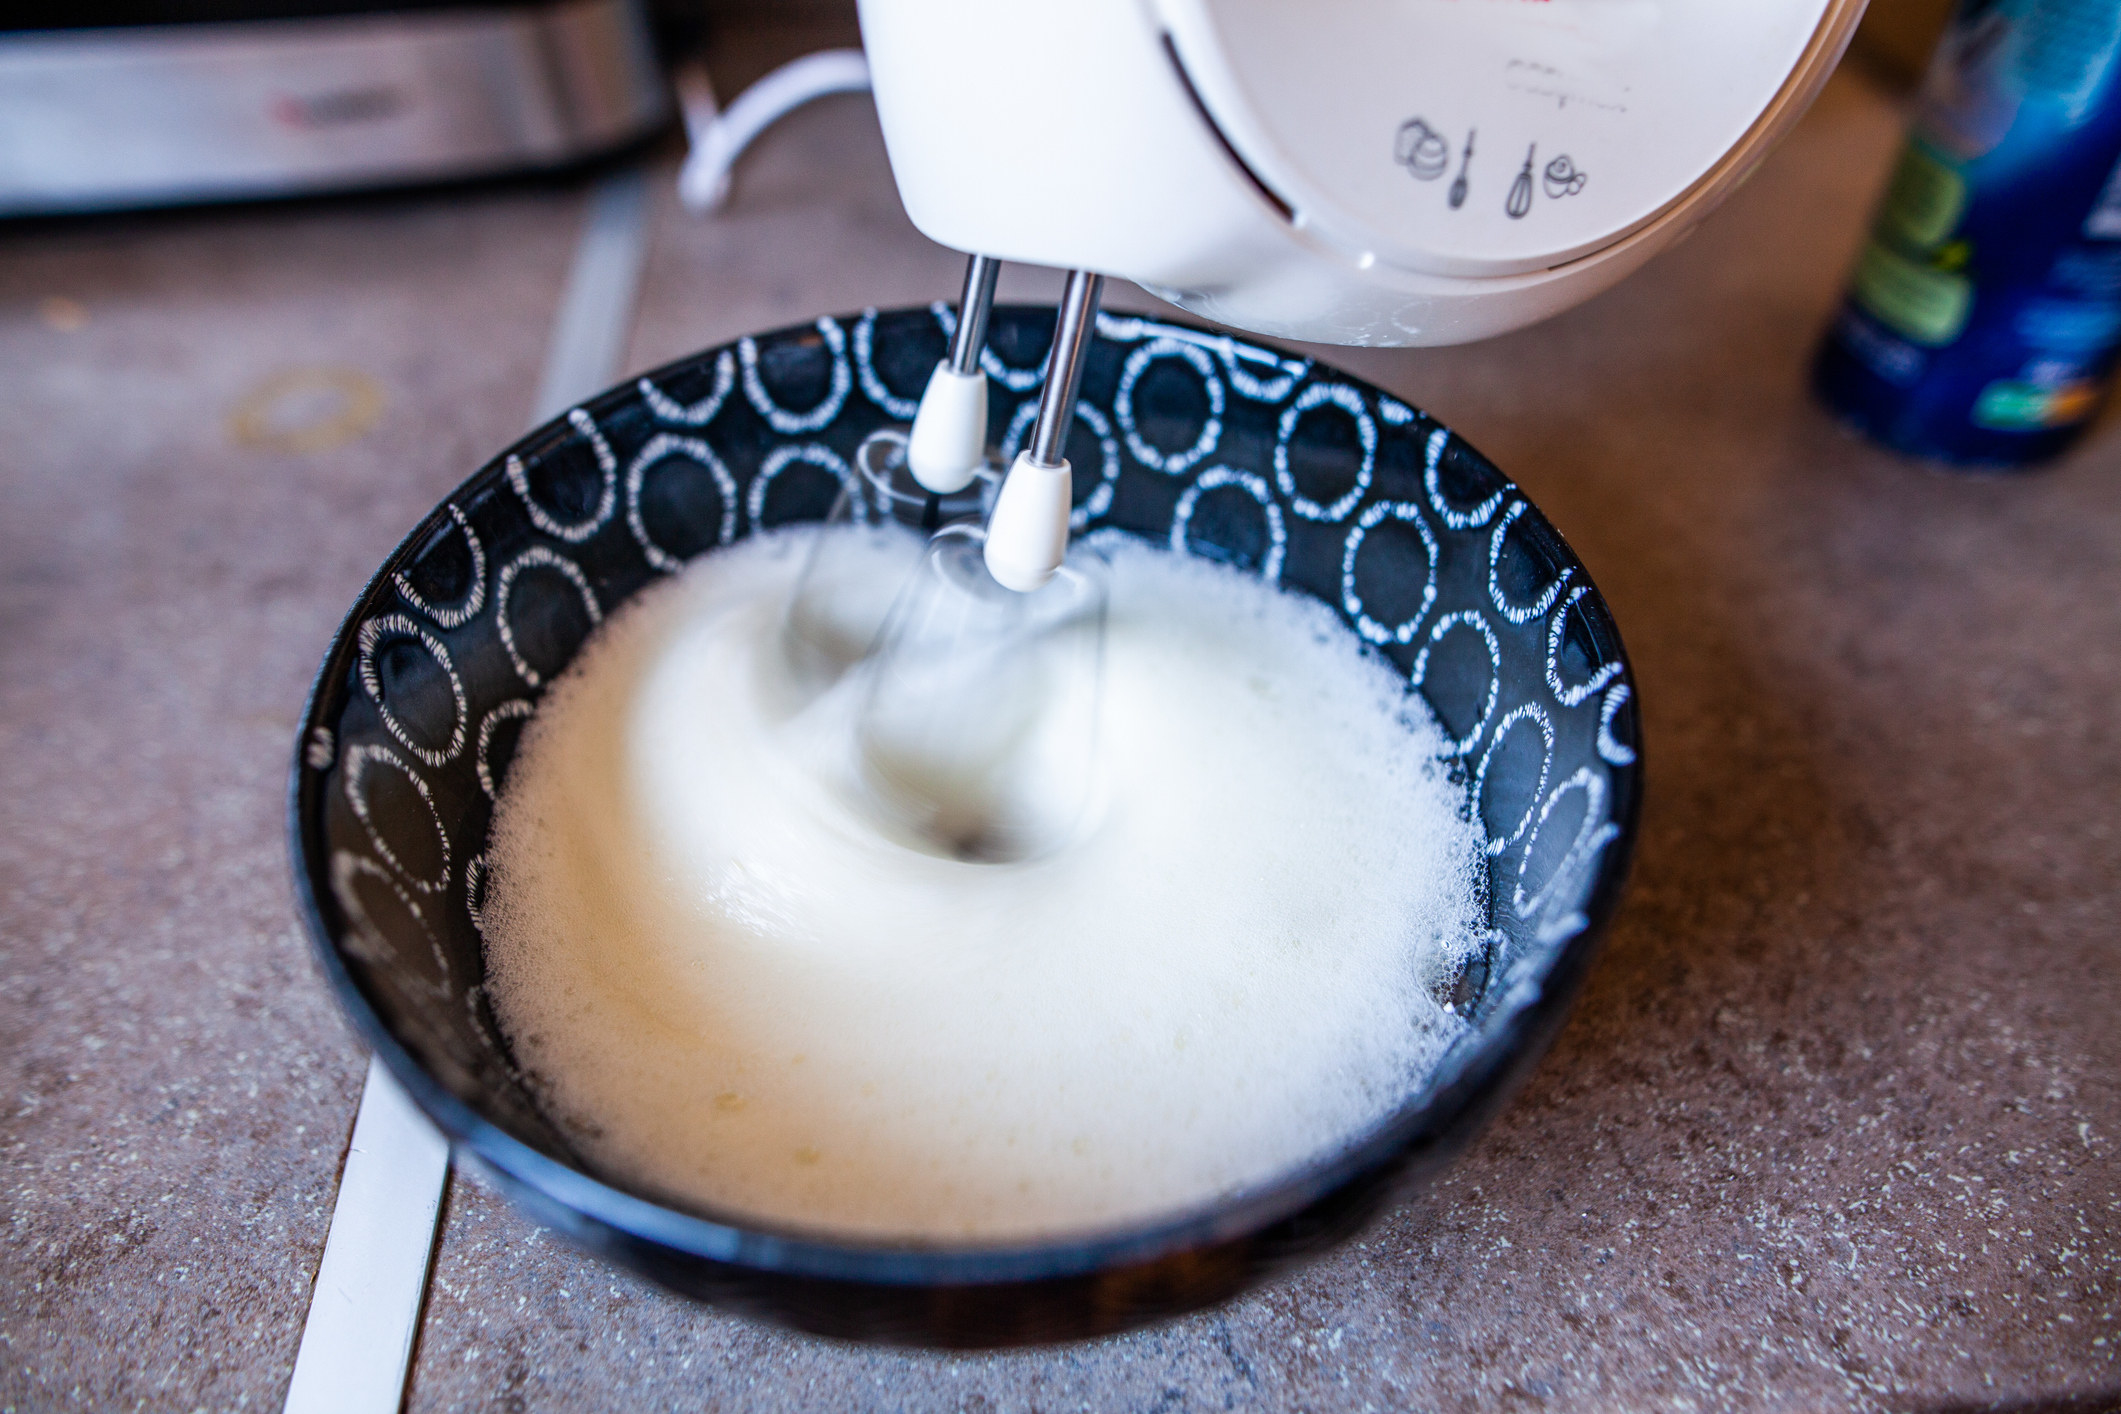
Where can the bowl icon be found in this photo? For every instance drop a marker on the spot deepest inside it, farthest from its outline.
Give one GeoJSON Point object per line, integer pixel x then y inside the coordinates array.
{"type": "Point", "coordinates": [1421, 150]}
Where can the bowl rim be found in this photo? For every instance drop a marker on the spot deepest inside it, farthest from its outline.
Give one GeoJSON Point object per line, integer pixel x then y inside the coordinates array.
{"type": "Point", "coordinates": [1473, 1077]}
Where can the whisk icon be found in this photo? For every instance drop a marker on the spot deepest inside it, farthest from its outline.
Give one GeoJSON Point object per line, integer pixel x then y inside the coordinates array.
{"type": "Point", "coordinates": [1520, 198]}
{"type": "Point", "coordinates": [1465, 168]}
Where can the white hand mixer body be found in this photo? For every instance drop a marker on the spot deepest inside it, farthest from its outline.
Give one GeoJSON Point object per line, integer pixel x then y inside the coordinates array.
{"type": "Point", "coordinates": [1373, 172]}
{"type": "Point", "coordinates": [1293, 167]}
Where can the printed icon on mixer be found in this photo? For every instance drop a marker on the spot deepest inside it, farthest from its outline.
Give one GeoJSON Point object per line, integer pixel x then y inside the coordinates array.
{"type": "Point", "coordinates": [1519, 200]}
{"type": "Point", "coordinates": [1563, 177]}
{"type": "Point", "coordinates": [1465, 165]}
{"type": "Point", "coordinates": [1421, 150]}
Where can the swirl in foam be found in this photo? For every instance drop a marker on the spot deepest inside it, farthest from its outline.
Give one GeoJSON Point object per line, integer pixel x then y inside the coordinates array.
{"type": "Point", "coordinates": [737, 995]}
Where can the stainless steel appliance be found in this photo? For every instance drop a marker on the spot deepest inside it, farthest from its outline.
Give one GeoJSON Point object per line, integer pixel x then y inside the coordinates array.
{"type": "Point", "coordinates": [121, 103]}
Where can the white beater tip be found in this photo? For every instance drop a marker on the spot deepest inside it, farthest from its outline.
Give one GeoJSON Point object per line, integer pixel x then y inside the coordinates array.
{"type": "Point", "coordinates": [1027, 531]}
{"type": "Point", "coordinates": [949, 440]}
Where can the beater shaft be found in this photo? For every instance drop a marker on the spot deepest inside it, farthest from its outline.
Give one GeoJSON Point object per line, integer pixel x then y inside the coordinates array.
{"type": "Point", "coordinates": [973, 306]}
{"type": "Point", "coordinates": [1064, 369]}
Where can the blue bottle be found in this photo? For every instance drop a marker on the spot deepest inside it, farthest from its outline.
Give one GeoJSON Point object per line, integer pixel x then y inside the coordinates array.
{"type": "Point", "coordinates": [1984, 315]}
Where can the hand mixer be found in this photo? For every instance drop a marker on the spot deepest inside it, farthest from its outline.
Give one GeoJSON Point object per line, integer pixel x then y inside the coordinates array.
{"type": "Point", "coordinates": [1281, 168]}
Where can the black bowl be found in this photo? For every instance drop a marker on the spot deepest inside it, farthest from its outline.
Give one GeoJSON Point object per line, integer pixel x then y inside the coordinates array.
{"type": "Point", "coordinates": [1192, 439]}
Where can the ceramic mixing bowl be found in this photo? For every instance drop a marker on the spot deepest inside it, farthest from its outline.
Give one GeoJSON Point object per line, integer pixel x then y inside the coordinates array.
{"type": "Point", "coordinates": [1192, 440]}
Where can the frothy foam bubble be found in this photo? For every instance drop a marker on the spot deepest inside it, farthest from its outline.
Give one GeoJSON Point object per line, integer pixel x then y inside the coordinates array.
{"type": "Point", "coordinates": [737, 994]}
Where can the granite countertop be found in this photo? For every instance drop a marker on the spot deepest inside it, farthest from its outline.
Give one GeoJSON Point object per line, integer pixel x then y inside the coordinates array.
{"type": "Point", "coordinates": [1833, 1126]}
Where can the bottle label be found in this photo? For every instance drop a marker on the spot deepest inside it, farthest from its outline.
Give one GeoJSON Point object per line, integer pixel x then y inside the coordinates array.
{"type": "Point", "coordinates": [2008, 405]}
{"type": "Point", "coordinates": [1911, 277]}
{"type": "Point", "coordinates": [1925, 201]}
{"type": "Point", "coordinates": [1907, 296]}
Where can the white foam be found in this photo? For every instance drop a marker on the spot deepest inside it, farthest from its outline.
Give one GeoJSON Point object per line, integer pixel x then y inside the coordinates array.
{"type": "Point", "coordinates": [738, 995]}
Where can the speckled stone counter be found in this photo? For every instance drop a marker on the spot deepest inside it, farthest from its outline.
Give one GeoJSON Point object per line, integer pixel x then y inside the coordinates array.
{"type": "Point", "coordinates": [1833, 1126]}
